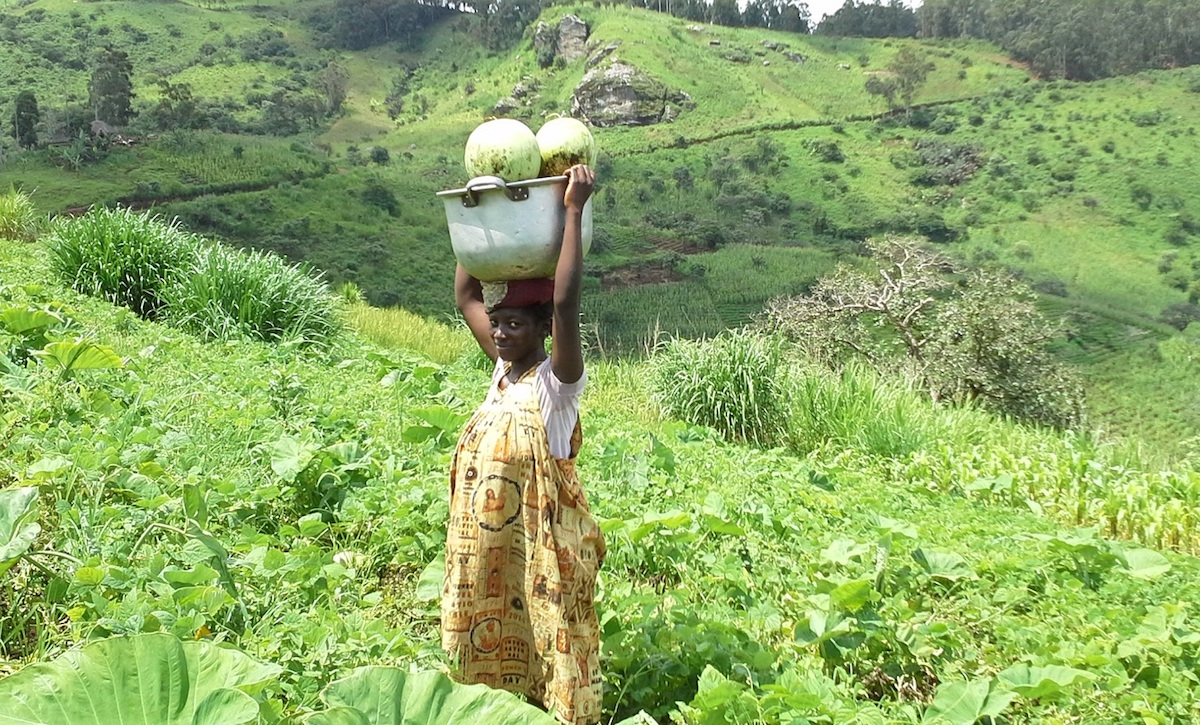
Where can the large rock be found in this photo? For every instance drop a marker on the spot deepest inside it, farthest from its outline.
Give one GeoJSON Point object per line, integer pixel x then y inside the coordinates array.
{"type": "Point", "coordinates": [545, 44]}
{"type": "Point", "coordinates": [621, 95]}
{"type": "Point", "coordinates": [572, 38]}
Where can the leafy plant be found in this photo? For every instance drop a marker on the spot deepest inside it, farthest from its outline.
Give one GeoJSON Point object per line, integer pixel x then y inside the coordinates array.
{"type": "Point", "coordinates": [730, 383]}
{"type": "Point", "coordinates": [18, 218]}
{"type": "Point", "coordinates": [122, 256]}
{"type": "Point", "coordinates": [149, 678]}
{"type": "Point", "coordinates": [224, 293]}
{"type": "Point", "coordinates": [18, 524]}
{"type": "Point", "coordinates": [391, 696]}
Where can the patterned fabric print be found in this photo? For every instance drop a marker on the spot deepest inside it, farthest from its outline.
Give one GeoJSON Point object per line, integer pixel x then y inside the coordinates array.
{"type": "Point", "coordinates": [522, 553]}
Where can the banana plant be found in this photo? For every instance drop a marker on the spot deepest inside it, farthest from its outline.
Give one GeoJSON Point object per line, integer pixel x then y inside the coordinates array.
{"type": "Point", "coordinates": [145, 679]}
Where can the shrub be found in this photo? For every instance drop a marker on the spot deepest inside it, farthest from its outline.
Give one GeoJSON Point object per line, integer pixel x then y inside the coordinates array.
{"type": "Point", "coordinates": [122, 256]}
{"type": "Point", "coordinates": [729, 383]}
{"type": "Point", "coordinates": [18, 219]}
{"type": "Point", "coordinates": [230, 294]}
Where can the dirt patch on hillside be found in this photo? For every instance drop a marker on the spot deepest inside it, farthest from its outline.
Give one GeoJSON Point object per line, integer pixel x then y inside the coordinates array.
{"type": "Point", "coordinates": [636, 275]}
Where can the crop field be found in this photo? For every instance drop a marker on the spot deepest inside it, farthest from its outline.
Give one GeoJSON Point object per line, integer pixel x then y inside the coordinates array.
{"type": "Point", "coordinates": [289, 506]}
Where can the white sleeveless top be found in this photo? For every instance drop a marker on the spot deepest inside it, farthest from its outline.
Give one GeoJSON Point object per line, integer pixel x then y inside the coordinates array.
{"type": "Point", "coordinates": [559, 402]}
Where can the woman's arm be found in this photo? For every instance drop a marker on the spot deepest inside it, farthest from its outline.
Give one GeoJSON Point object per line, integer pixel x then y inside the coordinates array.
{"type": "Point", "coordinates": [566, 356]}
{"type": "Point", "coordinates": [468, 295]}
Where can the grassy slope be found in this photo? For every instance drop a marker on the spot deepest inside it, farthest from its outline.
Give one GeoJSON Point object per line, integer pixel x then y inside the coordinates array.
{"type": "Point", "coordinates": [213, 417]}
{"type": "Point", "coordinates": [1107, 255]}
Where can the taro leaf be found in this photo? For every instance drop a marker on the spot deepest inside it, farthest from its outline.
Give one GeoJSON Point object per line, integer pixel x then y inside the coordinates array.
{"type": "Point", "coordinates": [441, 425]}
{"type": "Point", "coordinates": [1042, 682]}
{"type": "Point", "coordinates": [852, 595]}
{"type": "Point", "coordinates": [1145, 563]}
{"type": "Point", "coordinates": [661, 457]}
{"type": "Point", "coordinates": [964, 703]}
{"type": "Point", "coordinates": [81, 355]}
{"type": "Point", "coordinates": [145, 679]}
{"type": "Point", "coordinates": [18, 525]}
{"type": "Point", "coordinates": [20, 320]}
{"type": "Point", "coordinates": [289, 457]}
{"type": "Point", "coordinates": [843, 551]}
{"type": "Point", "coordinates": [429, 585]}
{"type": "Point", "coordinates": [945, 565]}
{"type": "Point", "coordinates": [391, 696]}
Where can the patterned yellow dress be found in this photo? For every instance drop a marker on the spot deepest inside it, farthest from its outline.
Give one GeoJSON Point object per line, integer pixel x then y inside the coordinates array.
{"type": "Point", "coordinates": [522, 553]}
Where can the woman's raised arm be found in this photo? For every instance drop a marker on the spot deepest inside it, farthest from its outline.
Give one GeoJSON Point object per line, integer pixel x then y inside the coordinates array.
{"type": "Point", "coordinates": [566, 356]}
{"type": "Point", "coordinates": [468, 295]}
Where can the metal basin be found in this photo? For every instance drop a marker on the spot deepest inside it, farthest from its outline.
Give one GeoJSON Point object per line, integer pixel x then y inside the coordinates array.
{"type": "Point", "coordinates": [503, 231]}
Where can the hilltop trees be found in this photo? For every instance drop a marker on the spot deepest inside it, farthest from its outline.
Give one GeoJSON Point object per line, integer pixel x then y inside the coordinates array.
{"type": "Point", "coordinates": [1075, 40]}
{"type": "Point", "coordinates": [110, 90]}
{"type": "Point", "coordinates": [25, 119]}
{"type": "Point", "coordinates": [871, 20]}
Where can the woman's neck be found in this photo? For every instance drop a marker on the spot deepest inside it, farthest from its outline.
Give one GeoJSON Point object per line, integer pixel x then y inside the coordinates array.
{"type": "Point", "coordinates": [517, 368]}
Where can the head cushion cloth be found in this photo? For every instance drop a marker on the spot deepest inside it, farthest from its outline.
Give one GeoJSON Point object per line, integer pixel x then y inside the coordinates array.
{"type": "Point", "coordinates": [517, 293]}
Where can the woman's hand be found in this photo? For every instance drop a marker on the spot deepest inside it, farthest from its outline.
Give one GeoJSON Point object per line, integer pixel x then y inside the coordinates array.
{"type": "Point", "coordinates": [580, 181]}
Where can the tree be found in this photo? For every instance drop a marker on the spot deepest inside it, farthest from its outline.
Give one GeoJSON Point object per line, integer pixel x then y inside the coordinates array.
{"type": "Point", "coordinates": [176, 106]}
{"type": "Point", "coordinates": [982, 340]}
{"type": "Point", "coordinates": [907, 72]}
{"type": "Point", "coordinates": [334, 81]}
{"type": "Point", "coordinates": [110, 90]}
{"type": "Point", "coordinates": [25, 119]}
{"type": "Point", "coordinates": [725, 12]}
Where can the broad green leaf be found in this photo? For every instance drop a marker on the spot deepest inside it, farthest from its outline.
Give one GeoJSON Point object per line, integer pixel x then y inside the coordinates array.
{"type": "Point", "coordinates": [147, 679]}
{"type": "Point", "coordinates": [943, 565]}
{"type": "Point", "coordinates": [429, 585]}
{"type": "Point", "coordinates": [1145, 563]}
{"type": "Point", "coordinates": [81, 355]}
{"type": "Point", "coordinates": [391, 696]}
{"type": "Point", "coordinates": [441, 417]}
{"type": "Point", "coordinates": [20, 320]}
{"type": "Point", "coordinates": [311, 525]}
{"type": "Point", "coordinates": [18, 527]}
{"type": "Point", "coordinates": [964, 703]}
{"type": "Point", "coordinates": [47, 467]}
{"type": "Point", "coordinates": [1042, 682]}
{"type": "Point", "coordinates": [852, 595]}
{"type": "Point", "coordinates": [289, 457]}
{"type": "Point", "coordinates": [843, 551]}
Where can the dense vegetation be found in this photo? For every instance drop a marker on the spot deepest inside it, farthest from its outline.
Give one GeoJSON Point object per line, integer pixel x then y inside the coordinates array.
{"type": "Point", "coordinates": [887, 560]}
{"type": "Point", "coordinates": [275, 127]}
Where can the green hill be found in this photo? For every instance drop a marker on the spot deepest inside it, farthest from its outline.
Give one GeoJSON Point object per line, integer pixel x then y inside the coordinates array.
{"type": "Point", "coordinates": [910, 562]}
{"type": "Point", "coordinates": [779, 170]}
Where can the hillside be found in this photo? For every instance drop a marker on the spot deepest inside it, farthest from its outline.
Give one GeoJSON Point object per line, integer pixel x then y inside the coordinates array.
{"type": "Point", "coordinates": [908, 563]}
{"type": "Point", "coordinates": [780, 170]}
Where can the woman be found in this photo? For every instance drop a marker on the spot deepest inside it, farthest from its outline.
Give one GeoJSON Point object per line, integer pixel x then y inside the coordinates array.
{"type": "Point", "coordinates": [522, 548]}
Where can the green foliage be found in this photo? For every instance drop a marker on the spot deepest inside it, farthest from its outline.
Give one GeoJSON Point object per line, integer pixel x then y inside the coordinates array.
{"type": "Point", "coordinates": [110, 89]}
{"type": "Point", "coordinates": [122, 256]}
{"type": "Point", "coordinates": [231, 294]}
{"type": "Point", "coordinates": [391, 696]}
{"type": "Point", "coordinates": [25, 119]}
{"type": "Point", "coordinates": [18, 524]}
{"type": "Point", "coordinates": [148, 678]}
{"type": "Point", "coordinates": [18, 218]}
{"type": "Point", "coordinates": [729, 382]}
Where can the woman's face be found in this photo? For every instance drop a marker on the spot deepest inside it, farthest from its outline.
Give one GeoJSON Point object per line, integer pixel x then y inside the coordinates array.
{"type": "Point", "coordinates": [518, 333]}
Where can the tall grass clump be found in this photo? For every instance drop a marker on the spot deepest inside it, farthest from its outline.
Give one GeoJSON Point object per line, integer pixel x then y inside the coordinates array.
{"type": "Point", "coordinates": [124, 257]}
{"type": "Point", "coordinates": [18, 219]}
{"type": "Point", "coordinates": [856, 408]}
{"type": "Point", "coordinates": [404, 330]}
{"type": "Point", "coordinates": [730, 383]}
{"type": "Point", "coordinates": [230, 294]}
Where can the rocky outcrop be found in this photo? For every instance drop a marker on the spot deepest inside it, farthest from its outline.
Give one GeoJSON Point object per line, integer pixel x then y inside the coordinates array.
{"type": "Point", "coordinates": [568, 42]}
{"type": "Point", "coordinates": [572, 38]}
{"type": "Point", "coordinates": [621, 95]}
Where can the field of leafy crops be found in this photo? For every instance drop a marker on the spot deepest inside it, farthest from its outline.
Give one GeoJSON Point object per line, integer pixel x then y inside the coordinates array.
{"type": "Point", "coordinates": [899, 562]}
